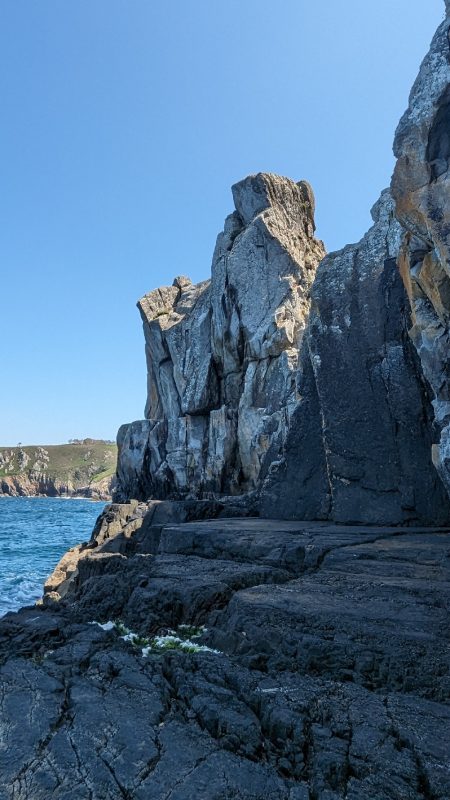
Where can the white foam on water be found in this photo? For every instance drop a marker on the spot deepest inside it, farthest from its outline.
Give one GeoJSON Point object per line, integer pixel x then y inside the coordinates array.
{"type": "Point", "coordinates": [34, 533]}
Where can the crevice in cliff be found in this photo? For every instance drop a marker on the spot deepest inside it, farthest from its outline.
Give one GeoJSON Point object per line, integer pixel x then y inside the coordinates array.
{"type": "Point", "coordinates": [438, 146]}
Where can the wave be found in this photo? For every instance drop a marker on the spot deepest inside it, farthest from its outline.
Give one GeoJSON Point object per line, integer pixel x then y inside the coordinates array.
{"type": "Point", "coordinates": [34, 534]}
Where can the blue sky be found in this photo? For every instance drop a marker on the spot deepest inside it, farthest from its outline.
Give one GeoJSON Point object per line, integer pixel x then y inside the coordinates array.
{"type": "Point", "coordinates": [124, 124]}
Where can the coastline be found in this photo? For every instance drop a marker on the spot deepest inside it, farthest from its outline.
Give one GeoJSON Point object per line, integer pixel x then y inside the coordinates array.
{"type": "Point", "coordinates": [4, 496]}
{"type": "Point", "coordinates": [35, 532]}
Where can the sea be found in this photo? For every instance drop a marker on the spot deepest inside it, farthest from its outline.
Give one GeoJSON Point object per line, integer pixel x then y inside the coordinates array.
{"type": "Point", "coordinates": [34, 533]}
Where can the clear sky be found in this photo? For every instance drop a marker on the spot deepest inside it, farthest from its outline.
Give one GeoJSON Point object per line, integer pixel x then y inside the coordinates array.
{"type": "Point", "coordinates": [124, 124]}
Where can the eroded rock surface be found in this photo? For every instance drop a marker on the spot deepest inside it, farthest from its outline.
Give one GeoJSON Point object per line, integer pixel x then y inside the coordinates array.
{"type": "Point", "coordinates": [143, 522]}
{"type": "Point", "coordinates": [222, 354]}
{"type": "Point", "coordinates": [328, 676]}
{"type": "Point", "coordinates": [360, 441]}
{"type": "Point", "coordinates": [421, 188]}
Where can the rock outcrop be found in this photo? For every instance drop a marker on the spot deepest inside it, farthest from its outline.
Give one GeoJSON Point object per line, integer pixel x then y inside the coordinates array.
{"type": "Point", "coordinates": [360, 441]}
{"type": "Point", "coordinates": [421, 189]}
{"type": "Point", "coordinates": [364, 435]}
{"type": "Point", "coordinates": [222, 355]}
{"type": "Point", "coordinates": [309, 392]}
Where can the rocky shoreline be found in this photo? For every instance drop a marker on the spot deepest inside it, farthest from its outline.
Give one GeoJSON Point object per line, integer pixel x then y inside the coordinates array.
{"type": "Point", "coordinates": [318, 666]}
{"type": "Point", "coordinates": [23, 486]}
{"type": "Point", "coordinates": [264, 612]}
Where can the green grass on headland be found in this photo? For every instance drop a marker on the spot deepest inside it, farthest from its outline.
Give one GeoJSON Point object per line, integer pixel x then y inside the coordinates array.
{"type": "Point", "coordinates": [81, 463]}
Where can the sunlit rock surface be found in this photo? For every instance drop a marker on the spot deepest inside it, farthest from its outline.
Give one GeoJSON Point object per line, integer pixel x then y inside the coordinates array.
{"type": "Point", "coordinates": [421, 188]}
{"type": "Point", "coordinates": [222, 355]}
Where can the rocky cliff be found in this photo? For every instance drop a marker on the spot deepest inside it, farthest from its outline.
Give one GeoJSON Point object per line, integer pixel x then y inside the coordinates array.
{"type": "Point", "coordinates": [360, 441]}
{"type": "Point", "coordinates": [83, 468]}
{"type": "Point", "coordinates": [420, 187]}
{"type": "Point", "coordinates": [222, 355]}
{"type": "Point", "coordinates": [303, 385]}
{"type": "Point", "coordinates": [372, 420]}
{"type": "Point", "coordinates": [326, 395]}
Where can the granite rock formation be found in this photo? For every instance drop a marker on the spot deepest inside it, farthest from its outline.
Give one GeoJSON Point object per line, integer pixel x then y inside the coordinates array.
{"type": "Point", "coordinates": [309, 392]}
{"type": "Point", "coordinates": [371, 421]}
{"type": "Point", "coordinates": [360, 441]}
{"type": "Point", "coordinates": [222, 354]}
{"type": "Point", "coordinates": [421, 189]}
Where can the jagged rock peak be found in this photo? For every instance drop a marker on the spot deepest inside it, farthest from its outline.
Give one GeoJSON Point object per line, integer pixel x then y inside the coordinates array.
{"type": "Point", "coordinates": [222, 354]}
{"type": "Point", "coordinates": [256, 193]}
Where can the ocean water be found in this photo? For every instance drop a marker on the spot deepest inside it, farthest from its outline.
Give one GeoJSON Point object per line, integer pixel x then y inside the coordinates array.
{"type": "Point", "coordinates": [34, 533]}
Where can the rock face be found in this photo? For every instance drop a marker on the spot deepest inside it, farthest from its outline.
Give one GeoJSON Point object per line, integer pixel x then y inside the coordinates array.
{"type": "Point", "coordinates": [259, 360]}
{"type": "Point", "coordinates": [276, 661]}
{"type": "Point", "coordinates": [222, 354]}
{"type": "Point", "coordinates": [359, 444]}
{"type": "Point", "coordinates": [421, 188]}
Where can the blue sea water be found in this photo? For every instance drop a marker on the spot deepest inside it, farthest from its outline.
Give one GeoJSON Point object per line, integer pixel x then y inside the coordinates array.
{"type": "Point", "coordinates": [34, 533]}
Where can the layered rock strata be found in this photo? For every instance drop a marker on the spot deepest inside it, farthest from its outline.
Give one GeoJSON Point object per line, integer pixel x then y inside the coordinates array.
{"type": "Point", "coordinates": [421, 189]}
{"type": "Point", "coordinates": [360, 441]}
{"type": "Point", "coordinates": [222, 354]}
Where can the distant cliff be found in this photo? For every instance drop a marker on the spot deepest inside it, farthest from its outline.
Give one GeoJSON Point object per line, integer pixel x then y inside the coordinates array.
{"type": "Point", "coordinates": [83, 468]}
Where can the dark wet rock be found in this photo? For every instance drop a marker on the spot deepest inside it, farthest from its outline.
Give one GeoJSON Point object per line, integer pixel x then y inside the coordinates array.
{"type": "Point", "coordinates": [331, 678]}
{"type": "Point", "coordinates": [119, 522]}
{"type": "Point", "coordinates": [359, 447]}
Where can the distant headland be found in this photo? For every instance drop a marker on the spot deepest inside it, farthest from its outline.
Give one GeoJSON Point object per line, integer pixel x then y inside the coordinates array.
{"type": "Point", "coordinates": [80, 468]}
